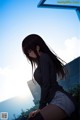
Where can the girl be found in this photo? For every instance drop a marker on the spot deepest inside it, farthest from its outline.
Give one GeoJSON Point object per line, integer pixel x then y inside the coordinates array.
{"type": "Point", "coordinates": [55, 103]}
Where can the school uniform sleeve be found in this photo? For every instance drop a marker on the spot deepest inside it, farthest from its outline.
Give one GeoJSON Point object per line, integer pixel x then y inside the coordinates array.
{"type": "Point", "coordinates": [45, 73]}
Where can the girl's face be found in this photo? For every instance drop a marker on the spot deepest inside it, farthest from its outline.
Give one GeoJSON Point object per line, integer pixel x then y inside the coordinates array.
{"type": "Point", "coordinates": [32, 54]}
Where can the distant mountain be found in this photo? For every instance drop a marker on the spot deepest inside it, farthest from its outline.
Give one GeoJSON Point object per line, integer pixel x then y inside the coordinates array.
{"type": "Point", "coordinates": [15, 105]}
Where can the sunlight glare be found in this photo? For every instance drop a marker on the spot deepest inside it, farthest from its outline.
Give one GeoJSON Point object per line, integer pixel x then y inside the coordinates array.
{"type": "Point", "coordinates": [15, 81]}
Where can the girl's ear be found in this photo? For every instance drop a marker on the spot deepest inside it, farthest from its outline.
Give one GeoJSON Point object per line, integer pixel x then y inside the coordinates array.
{"type": "Point", "coordinates": [37, 48]}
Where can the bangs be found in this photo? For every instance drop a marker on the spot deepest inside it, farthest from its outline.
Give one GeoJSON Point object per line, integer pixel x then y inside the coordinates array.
{"type": "Point", "coordinates": [28, 47]}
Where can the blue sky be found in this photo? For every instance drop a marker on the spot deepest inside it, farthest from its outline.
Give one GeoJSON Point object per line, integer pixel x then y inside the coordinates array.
{"type": "Point", "coordinates": [19, 18]}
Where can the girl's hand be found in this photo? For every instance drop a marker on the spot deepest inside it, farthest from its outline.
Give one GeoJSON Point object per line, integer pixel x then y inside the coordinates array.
{"type": "Point", "coordinates": [33, 113]}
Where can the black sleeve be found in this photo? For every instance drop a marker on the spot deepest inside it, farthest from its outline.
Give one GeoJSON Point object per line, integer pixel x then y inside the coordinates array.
{"type": "Point", "coordinates": [44, 67]}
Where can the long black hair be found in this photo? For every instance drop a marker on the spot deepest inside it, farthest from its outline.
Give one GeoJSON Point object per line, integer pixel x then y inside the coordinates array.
{"type": "Point", "coordinates": [31, 41]}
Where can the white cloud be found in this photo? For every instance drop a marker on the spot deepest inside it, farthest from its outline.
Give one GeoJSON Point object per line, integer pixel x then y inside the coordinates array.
{"type": "Point", "coordinates": [13, 81]}
{"type": "Point", "coordinates": [70, 49]}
